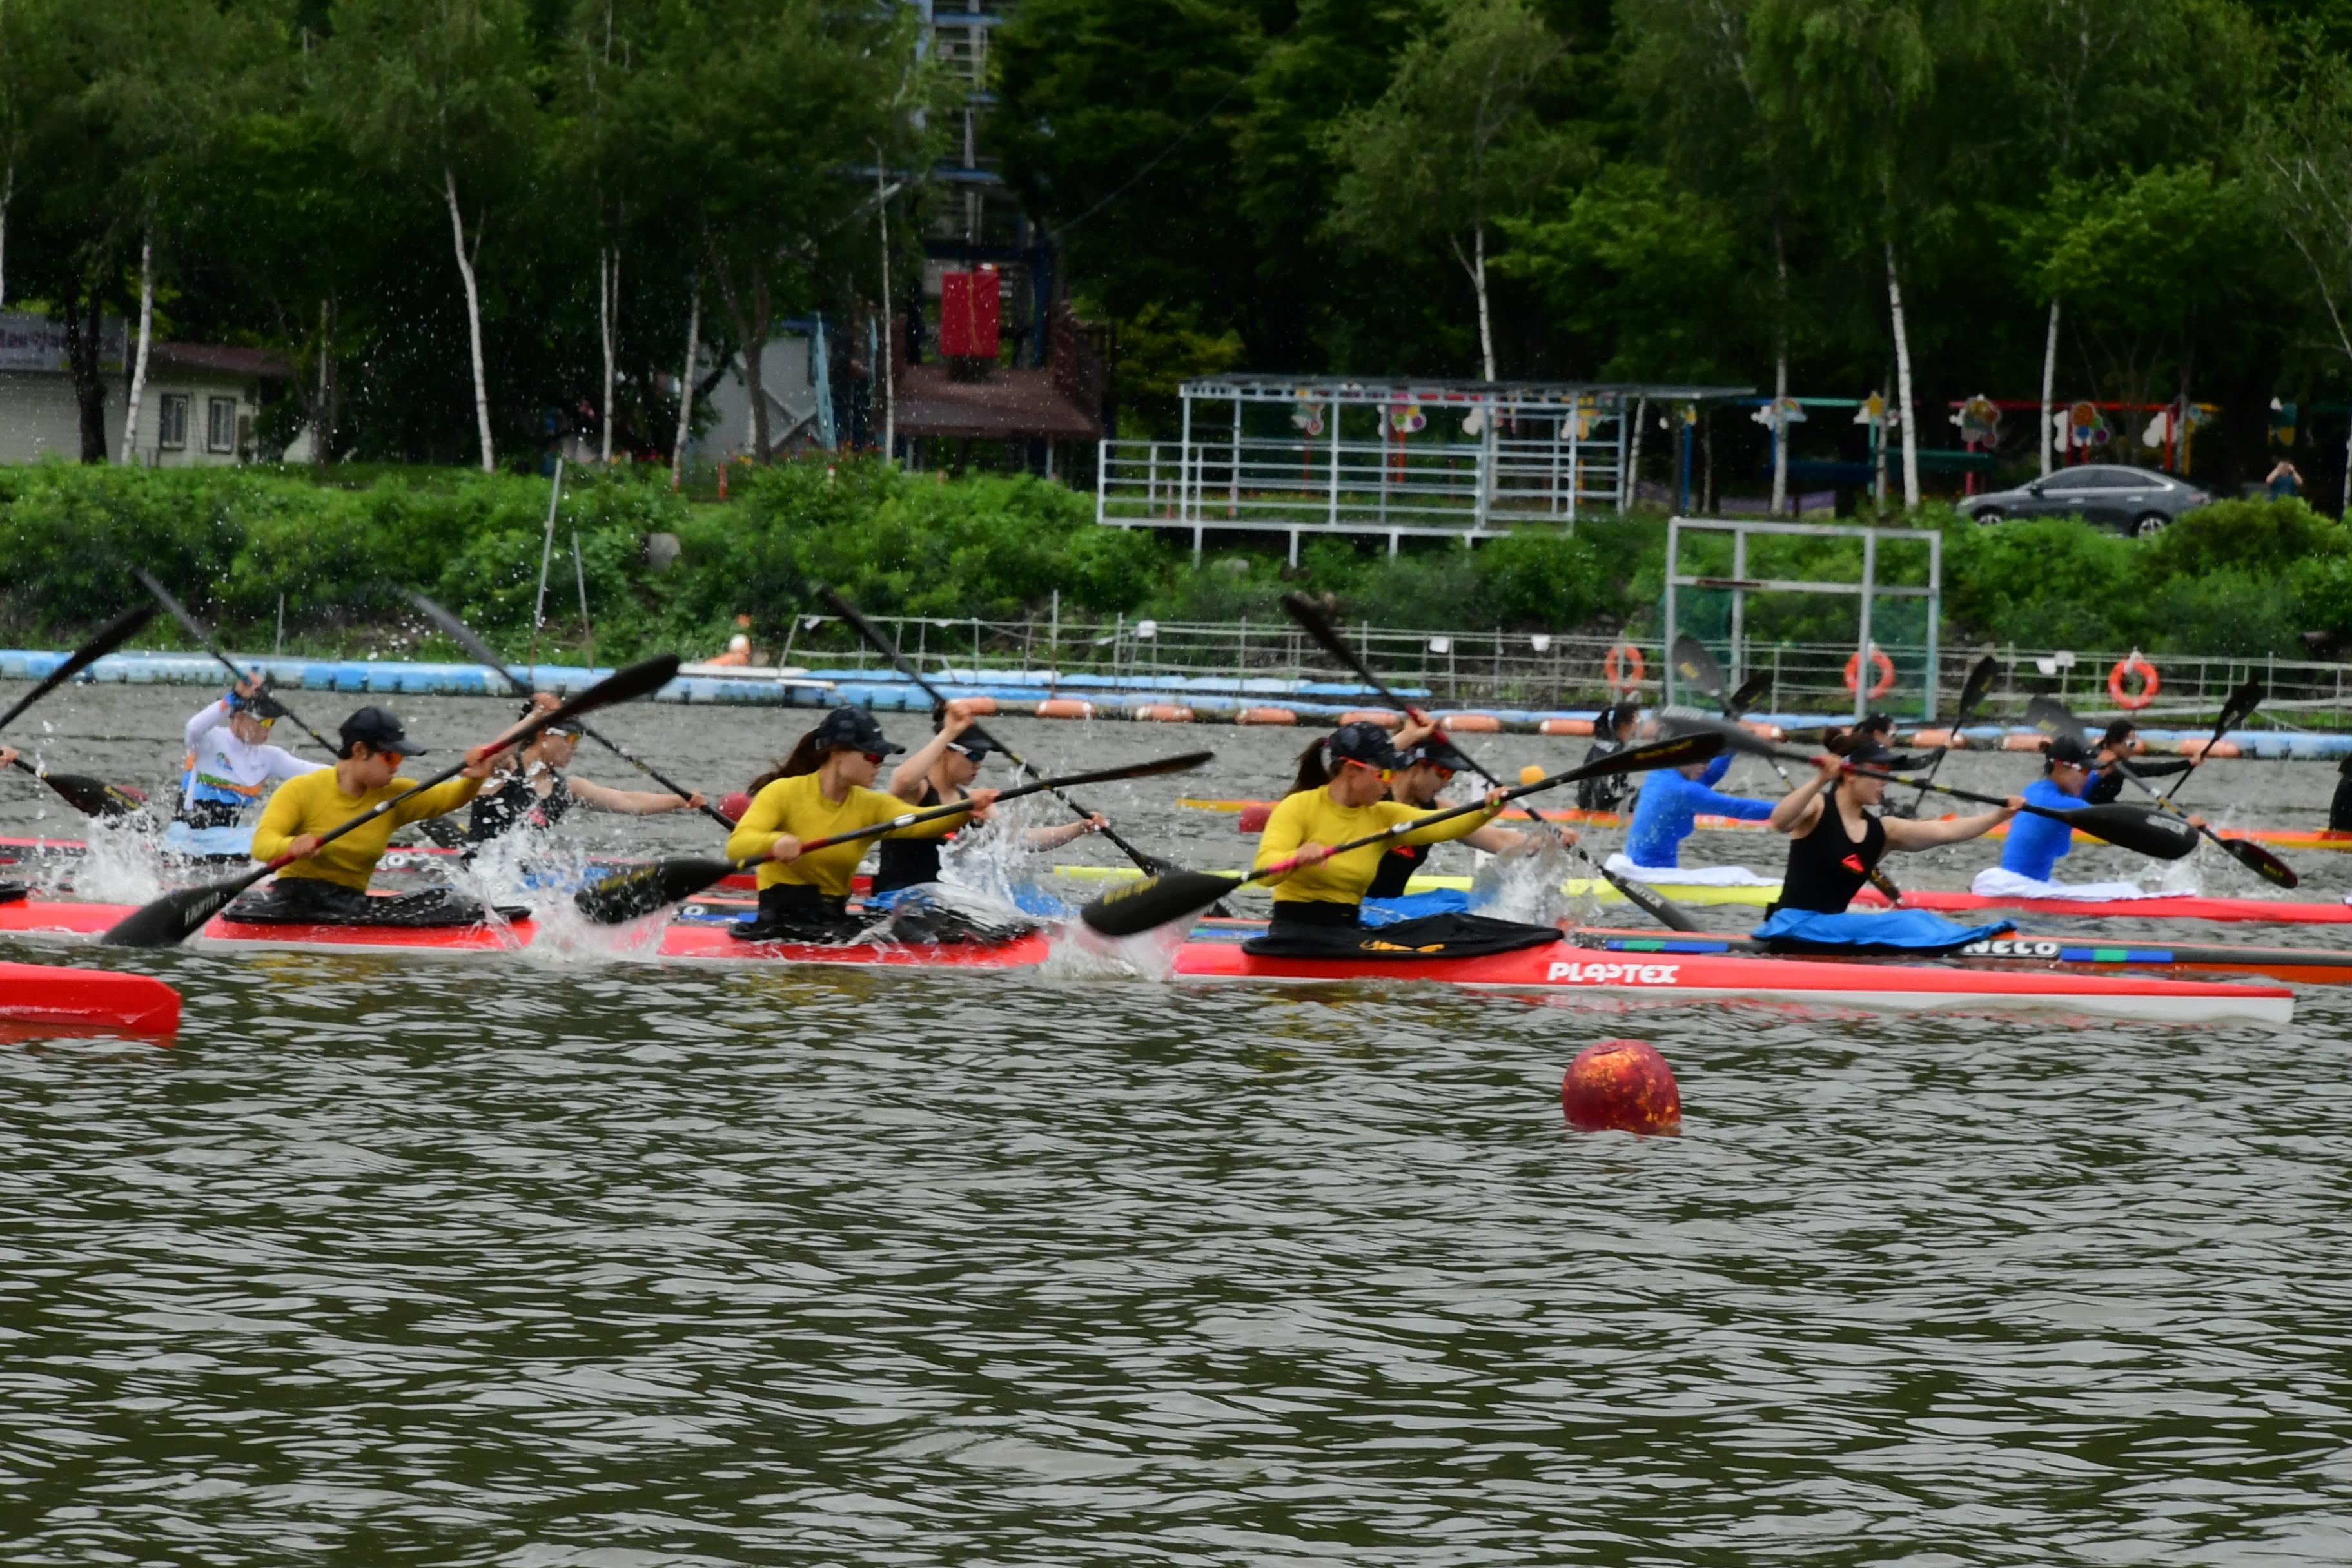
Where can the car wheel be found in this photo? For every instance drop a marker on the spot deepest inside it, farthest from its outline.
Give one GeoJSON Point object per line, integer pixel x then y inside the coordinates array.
{"type": "Point", "coordinates": [1987, 516]}
{"type": "Point", "coordinates": [2148, 525]}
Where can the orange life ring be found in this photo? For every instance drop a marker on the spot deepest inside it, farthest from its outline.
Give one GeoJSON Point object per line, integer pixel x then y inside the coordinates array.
{"type": "Point", "coordinates": [2150, 683]}
{"type": "Point", "coordinates": [1613, 667]}
{"type": "Point", "coordinates": [1879, 662]}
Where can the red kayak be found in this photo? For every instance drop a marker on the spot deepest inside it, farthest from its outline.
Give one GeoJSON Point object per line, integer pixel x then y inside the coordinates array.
{"type": "Point", "coordinates": [2184, 907]}
{"type": "Point", "coordinates": [1554, 968]}
{"type": "Point", "coordinates": [45, 995]}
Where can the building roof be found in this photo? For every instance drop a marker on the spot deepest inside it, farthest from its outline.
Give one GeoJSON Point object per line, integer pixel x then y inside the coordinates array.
{"type": "Point", "coordinates": [222, 359]}
{"type": "Point", "coordinates": [1012, 404]}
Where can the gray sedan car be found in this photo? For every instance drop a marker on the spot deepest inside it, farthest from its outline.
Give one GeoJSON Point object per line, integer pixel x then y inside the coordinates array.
{"type": "Point", "coordinates": [2139, 501]}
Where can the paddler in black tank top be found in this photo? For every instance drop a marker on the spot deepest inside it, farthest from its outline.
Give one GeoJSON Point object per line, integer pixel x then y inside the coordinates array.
{"type": "Point", "coordinates": [532, 789]}
{"type": "Point", "coordinates": [1430, 763]}
{"type": "Point", "coordinates": [912, 862]}
{"type": "Point", "coordinates": [1836, 836]}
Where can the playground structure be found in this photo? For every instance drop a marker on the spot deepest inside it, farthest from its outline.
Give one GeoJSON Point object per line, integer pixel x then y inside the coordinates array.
{"type": "Point", "coordinates": [1393, 459]}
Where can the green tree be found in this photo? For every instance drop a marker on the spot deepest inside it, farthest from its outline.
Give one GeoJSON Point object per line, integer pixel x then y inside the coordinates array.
{"type": "Point", "coordinates": [1455, 142]}
{"type": "Point", "coordinates": [438, 92]}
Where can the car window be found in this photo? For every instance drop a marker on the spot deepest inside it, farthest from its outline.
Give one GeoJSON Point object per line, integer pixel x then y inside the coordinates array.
{"type": "Point", "coordinates": [2140, 479]}
{"type": "Point", "coordinates": [2072, 479]}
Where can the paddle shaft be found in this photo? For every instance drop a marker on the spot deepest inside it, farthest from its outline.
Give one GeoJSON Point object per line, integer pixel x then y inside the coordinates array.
{"type": "Point", "coordinates": [488, 659]}
{"type": "Point", "coordinates": [2232, 713]}
{"type": "Point", "coordinates": [194, 630]}
{"type": "Point", "coordinates": [1972, 696]}
{"type": "Point", "coordinates": [2070, 818]}
{"type": "Point", "coordinates": [888, 649]}
{"type": "Point", "coordinates": [1658, 907]}
{"type": "Point", "coordinates": [116, 633]}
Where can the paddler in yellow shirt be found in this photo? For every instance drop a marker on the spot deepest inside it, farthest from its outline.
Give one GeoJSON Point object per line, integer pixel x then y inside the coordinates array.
{"type": "Point", "coordinates": [824, 787]}
{"type": "Point", "coordinates": [1319, 909]}
{"type": "Point", "coordinates": [329, 885]}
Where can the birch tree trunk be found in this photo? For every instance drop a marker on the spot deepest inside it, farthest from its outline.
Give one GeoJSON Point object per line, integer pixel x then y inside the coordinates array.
{"type": "Point", "coordinates": [685, 389]}
{"type": "Point", "coordinates": [7, 193]}
{"type": "Point", "coordinates": [2049, 383]}
{"type": "Point", "coordinates": [1475, 264]}
{"type": "Point", "coordinates": [608, 310]}
{"type": "Point", "coordinates": [1903, 385]}
{"type": "Point", "coordinates": [890, 354]}
{"type": "Point", "coordinates": [1633, 457]}
{"type": "Point", "coordinates": [1780, 372]}
{"type": "Point", "coordinates": [473, 321]}
{"type": "Point", "coordinates": [146, 329]}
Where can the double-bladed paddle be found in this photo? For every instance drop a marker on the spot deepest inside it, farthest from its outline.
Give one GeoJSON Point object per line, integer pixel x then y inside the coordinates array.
{"type": "Point", "coordinates": [1318, 625]}
{"type": "Point", "coordinates": [93, 798]}
{"type": "Point", "coordinates": [1695, 664]}
{"type": "Point", "coordinates": [195, 629]}
{"type": "Point", "coordinates": [641, 890]}
{"type": "Point", "coordinates": [2236, 709]}
{"type": "Point", "coordinates": [1180, 895]}
{"type": "Point", "coordinates": [172, 918]}
{"type": "Point", "coordinates": [484, 654]}
{"type": "Point", "coordinates": [2052, 717]}
{"type": "Point", "coordinates": [882, 644]}
{"type": "Point", "coordinates": [1972, 695]}
{"type": "Point", "coordinates": [2155, 834]}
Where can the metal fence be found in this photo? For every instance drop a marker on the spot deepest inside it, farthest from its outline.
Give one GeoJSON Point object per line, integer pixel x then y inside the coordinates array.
{"type": "Point", "coordinates": [1496, 668]}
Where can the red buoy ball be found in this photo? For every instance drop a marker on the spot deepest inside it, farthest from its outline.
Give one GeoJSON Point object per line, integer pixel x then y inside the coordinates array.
{"type": "Point", "coordinates": [1253, 817]}
{"type": "Point", "coordinates": [734, 807]}
{"type": "Point", "coordinates": [1623, 1085]}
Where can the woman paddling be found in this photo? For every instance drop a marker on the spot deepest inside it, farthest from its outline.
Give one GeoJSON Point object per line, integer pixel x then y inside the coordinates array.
{"type": "Point", "coordinates": [1612, 732]}
{"type": "Point", "coordinates": [1667, 813]}
{"type": "Point", "coordinates": [826, 788]}
{"type": "Point", "coordinates": [230, 766]}
{"type": "Point", "coordinates": [329, 885]}
{"type": "Point", "coordinates": [532, 790]}
{"type": "Point", "coordinates": [2030, 857]}
{"type": "Point", "coordinates": [1318, 908]}
{"type": "Point", "coordinates": [2120, 749]}
{"type": "Point", "coordinates": [1428, 765]}
{"type": "Point", "coordinates": [1836, 838]}
{"type": "Point", "coordinates": [904, 863]}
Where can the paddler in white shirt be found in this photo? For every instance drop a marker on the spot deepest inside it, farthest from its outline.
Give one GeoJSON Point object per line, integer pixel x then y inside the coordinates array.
{"type": "Point", "coordinates": [230, 767]}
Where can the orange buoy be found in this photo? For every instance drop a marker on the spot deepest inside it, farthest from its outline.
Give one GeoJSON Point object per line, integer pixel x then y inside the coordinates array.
{"type": "Point", "coordinates": [978, 707]}
{"type": "Point", "coordinates": [1161, 713]}
{"type": "Point", "coordinates": [1767, 731]}
{"type": "Point", "coordinates": [734, 807]}
{"type": "Point", "coordinates": [1622, 668]}
{"type": "Point", "coordinates": [1950, 740]}
{"type": "Point", "coordinates": [1879, 662]}
{"type": "Point", "coordinates": [1379, 716]}
{"type": "Point", "coordinates": [2200, 746]}
{"type": "Point", "coordinates": [1266, 716]}
{"type": "Point", "coordinates": [2133, 664]}
{"type": "Point", "coordinates": [1565, 727]}
{"type": "Point", "coordinates": [1623, 1085]}
{"type": "Point", "coordinates": [1471, 723]}
{"type": "Point", "coordinates": [1253, 816]}
{"type": "Point", "coordinates": [1064, 708]}
{"type": "Point", "coordinates": [2020, 742]}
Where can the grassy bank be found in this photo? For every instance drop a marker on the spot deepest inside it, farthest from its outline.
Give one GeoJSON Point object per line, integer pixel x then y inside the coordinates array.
{"type": "Point", "coordinates": [2237, 578]}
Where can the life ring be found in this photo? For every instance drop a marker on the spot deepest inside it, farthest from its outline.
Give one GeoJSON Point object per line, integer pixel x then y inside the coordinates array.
{"type": "Point", "coordinates": [1879, 662]}
{"type": "Point", "coordinates": [1613, 667]}
{"type": "Point", "coordinates": [2150, 682]}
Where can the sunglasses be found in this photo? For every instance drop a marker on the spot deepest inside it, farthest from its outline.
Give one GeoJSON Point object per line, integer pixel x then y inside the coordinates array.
{"type": "Point", "coordinates": [874, 757]}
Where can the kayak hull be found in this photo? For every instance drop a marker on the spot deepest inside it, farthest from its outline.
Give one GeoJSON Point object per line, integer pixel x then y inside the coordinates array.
{"type": "Point", "coordinates": [1558, 970]}
{"type": "Point", "coordinates": [45, 996]}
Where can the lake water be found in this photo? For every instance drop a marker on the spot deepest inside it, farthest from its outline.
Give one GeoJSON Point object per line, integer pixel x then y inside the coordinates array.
{"type": "Point", "coordinates": [493, 1261]}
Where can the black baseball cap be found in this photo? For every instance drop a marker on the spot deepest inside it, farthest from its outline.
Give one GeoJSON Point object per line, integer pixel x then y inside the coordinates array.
{"type": "Point", "coordinates": [1876, 725]}
{"type": "Point", "coordinates": [849, 728]}
{"type": "Point", "coordinates": [2119, 731]}
{"type": "Point", "coordinates": [1868, 753]}
{"type": "Point", "coordinates": [380, 728]}
{"type": "Point", "coordinates": [569, 725]}
{"type": "Point", "coordinates": [974, 744]}
{"type": "Point", "coordinates": [261, 705]}
{"type": "Point", "coordinates": [2066, 749]}
{"type": "Point", "coordinates": [1438, 753]}
{"type": "Point", "coordinates": [1366, 743]}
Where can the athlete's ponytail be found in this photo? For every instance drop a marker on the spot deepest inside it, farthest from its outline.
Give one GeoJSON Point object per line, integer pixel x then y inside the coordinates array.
{"type": "Point", "coordinates": [805, 759]}
{"type": "Point", "coordinates": [1312, 773]}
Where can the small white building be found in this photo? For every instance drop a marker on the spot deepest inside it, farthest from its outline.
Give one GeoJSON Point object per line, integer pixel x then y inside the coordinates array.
{"type": "Point", "coordinates": [197, 409]}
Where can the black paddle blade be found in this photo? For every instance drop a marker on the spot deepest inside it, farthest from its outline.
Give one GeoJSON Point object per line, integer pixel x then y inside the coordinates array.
{"type": "Point", "coordinates": [93, 798]}
{"type": "Point", "coordinates": [2053, 718]}
{"type": "Point", "coordinates": [2241, 706]}
{"type": "Point", "coordinates": [1981, 676]}
{"type": "Point", "coordinates": [1698, 745]}
{"type": "Point", "coordinates": [1696, 665]}
{"type": "Point", "coordinates": [643, 889]}
{"type": "Point", "coordinates": [1727, 735]}
{"type": "Point", "coordinates": [1156, 901]}
{"type": "Point", "coordinates": [1754, 687]}
{"type": "Point", "coordinates": [177, 916]}
{"type": "Point", "coordinates": [2156, 834]}
{"type": "Point", "coordinates": [2260, 862]}
{"type": "Point", "coordinates": [1316, 622]}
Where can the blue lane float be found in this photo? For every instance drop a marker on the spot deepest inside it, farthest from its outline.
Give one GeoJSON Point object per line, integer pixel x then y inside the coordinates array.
{"type": "Point", "coordinates": [1211, 699]}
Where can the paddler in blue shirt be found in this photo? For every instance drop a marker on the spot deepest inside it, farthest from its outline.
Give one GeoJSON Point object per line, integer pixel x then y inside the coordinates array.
{"type": "Point", "coordinates": [1666, 813]}
{"type": "Point", "coordinates": [2036, 843]}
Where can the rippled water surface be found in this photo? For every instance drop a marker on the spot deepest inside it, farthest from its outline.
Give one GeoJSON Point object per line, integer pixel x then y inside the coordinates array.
{"type": "Point", "coordinates": [488, 1261]}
